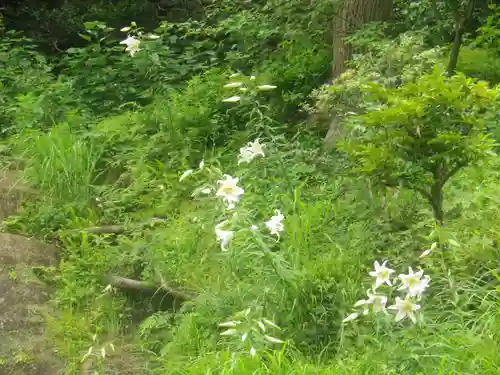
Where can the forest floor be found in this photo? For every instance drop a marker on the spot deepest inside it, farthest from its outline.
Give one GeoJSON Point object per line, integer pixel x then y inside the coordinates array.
{"type": "Point", "coordinates": [26, 344]}
{"type": "Point", "coordinates": [24, 298]}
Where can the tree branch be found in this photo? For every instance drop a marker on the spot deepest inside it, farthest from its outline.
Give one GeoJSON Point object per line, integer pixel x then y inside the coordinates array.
{"type": "Point", "coordinates": [114, 229]}
{"type": "Point", "coordinates": [452, 172]}
{"type": "Point", "coordinates": [126, 283]}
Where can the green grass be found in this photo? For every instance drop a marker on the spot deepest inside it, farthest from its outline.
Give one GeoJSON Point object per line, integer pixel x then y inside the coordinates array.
{"type": "Point", "coordinates": [307, 282]}
{"type": "Point", "coordinates": [60, 163]}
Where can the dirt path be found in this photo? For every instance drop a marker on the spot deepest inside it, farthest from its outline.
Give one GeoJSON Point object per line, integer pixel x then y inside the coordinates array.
{"type": "Point", "coordinates": [24, 347]}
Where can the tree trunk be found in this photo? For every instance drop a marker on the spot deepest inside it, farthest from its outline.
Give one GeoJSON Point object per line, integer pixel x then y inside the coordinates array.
{"type": "Point", "coordinates": [460, 23]}
{"type": "Point", "coordinates": [351, 15]}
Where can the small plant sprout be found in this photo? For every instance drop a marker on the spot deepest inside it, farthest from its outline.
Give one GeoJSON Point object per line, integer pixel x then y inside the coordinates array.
{"type": "Point", "coordinates": [229, 332]}
{"type": "Point", "coordinates": [233, 84]}
{"type": "Point", "coordinates": [109, 289]}
{"type": "Point", "coordinates": [232, 99]}
{"type": "Point", "coordinates": [251, 331]}
{"type": "Point", "coordinates": [274, 340]}
{"type": "Point", "coordinates": [132, 45]}
{"type": "Point", "coordinates": [405, 308]}
{"type": "Point", "coordinates": [430, 250]}
{"type": "Point", "coordinates": [382, 274]}
{"type": "Point", "coordinates": [230, 324]}
{"type": "Point", "coordinates": [185, 174]}
{"type": "Point", "coordinates": [350, 317]}
{"type": "Point", "coordinates": [223, 236]}
{"type": "Point", "coordinates": [414, 283]}
{"type": "Point", "coordinates": [229, 190]}
{"type": "Point", "coordinates": [266, 87]}
{"type": "Point", "coordinates": [275, 225]}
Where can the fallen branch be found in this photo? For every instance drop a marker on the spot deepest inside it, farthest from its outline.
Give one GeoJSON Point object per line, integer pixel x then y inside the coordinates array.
{"type": "Point", "coordinates": [126, 283]}
{"type": "Point", "coordinates": [113, 229]}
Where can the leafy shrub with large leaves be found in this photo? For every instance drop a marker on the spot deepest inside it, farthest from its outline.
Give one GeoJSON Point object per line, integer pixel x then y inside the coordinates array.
{"type": "Point", "coordinates": [30, 95]}
{"type": "Point", "coordinates": [421, 134]}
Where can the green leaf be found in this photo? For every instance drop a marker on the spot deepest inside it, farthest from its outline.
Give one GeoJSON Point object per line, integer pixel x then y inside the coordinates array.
{"type": "Point", "coordinates": [86, 37]}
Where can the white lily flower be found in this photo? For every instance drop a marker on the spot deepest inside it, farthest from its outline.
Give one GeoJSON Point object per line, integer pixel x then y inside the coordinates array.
{"type": "Point", "coordinates": [125, 29]}
{"type": "Point", "coordinates": [253, 352]}
{"type": "Point", "coordinates": [229, 190]}
{"type": "Point", "coordinates": [382, 274]}
{"type": "Point", "coordinates": [266, 87]}
{"type": "Point", "coordinates": [275, 225]}
{"type": "Point", "coordinates": [376, 301]}
{"type": "Point", "coordinates": [185, 174]}
{"type": "Point", "coordinates": [224, 237]}
{"type": "Point", "coordinates": [405, 308]}
{"type": "Point", "coordinates": [413, 283]}
{"type": "Point", "coordinates": [350, 317]}
{"type": "Point", "coordinates": [255, 148]}
{"type": "Point", "coordinates": [132, 45]}
{"type": "Point", "coordinates": [233, 84]}
{"type": "Point", "coordinates": [232, 99]}
{"type": "Point", "coordinates": [245, 155]}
